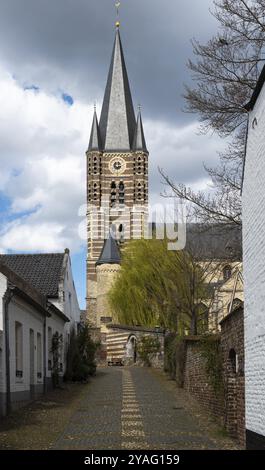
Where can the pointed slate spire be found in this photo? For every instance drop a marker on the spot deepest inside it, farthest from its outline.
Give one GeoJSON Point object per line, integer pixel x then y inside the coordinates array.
{"type": "Point", "coordinates": [117, 121]}
{"type": "Point", "coordinates": [139, 138]}
{"type": "Point", "coordinates": [110, 253]}
{"type": "Point", "coordinates": [95, 140]}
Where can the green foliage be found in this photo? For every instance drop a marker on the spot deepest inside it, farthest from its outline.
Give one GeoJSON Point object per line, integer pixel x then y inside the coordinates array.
{"type": "Point", "coordinates": [156, 286]}
{"type": "Point", "coordinates": [148, 347]}
{"type": "Point", "coordinates": [170, 355]}
{"type": "Point", "coordinates": [174, 357]}
{"type": "Point", "coordinates": [56, 350]}
{"type": "Point", "coordinates": [81, 356]}
{"type": "Point", "coordinates": [211, 353]}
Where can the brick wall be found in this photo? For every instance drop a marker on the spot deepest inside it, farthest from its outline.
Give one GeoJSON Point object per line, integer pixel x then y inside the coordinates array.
{"type": "Point", "coordinates": [232, 345]}
{"type": "Point", "coordinates": [226, 402]}
{"type": "Point", "coordinates": [198, 383]}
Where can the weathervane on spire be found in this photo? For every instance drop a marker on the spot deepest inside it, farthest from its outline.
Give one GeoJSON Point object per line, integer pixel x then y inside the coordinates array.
{"type": "Point", "coordinates": [117, 5]}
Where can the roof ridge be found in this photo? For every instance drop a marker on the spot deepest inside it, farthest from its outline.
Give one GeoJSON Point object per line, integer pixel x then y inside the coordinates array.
{"type": "Point", "coordinates": [32, 254]}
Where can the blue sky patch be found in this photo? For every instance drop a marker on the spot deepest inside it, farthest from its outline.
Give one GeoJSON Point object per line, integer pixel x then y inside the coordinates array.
{"type": "Point", "coordinates": [68, 99]}
{"type": "Point", "coordinates": [79, 273]}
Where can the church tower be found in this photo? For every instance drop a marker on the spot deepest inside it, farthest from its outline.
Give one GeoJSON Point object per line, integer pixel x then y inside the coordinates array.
{"type": "Point", "coordinates": [117, 174]}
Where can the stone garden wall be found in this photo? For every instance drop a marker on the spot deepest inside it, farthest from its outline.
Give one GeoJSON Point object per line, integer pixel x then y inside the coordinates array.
{"type": "Point", "coordinates": [211, 369]}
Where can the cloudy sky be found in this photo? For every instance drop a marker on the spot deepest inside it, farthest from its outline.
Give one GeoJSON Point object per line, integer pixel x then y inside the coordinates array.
{"type": "Point", "coordinates": [54, 59]}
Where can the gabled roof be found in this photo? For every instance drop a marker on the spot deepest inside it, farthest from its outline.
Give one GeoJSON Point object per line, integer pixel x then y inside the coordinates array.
{"type": "Point", "coordinates": [22, 288]}
{"type": "Point", "coordinates": [139, 143]}
{"type": "Point", "coordinates": [117, 121]}
{"type": "Point", "coordinates": [110, 253]}
{"type": "Point", "coordinates": [95, 139]}
{"type": "Point", "coordinates": [42, 271]}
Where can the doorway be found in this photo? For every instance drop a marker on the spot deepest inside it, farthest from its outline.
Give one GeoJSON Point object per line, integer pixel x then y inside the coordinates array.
{"type": "Point", "coordinates": [131, 348]}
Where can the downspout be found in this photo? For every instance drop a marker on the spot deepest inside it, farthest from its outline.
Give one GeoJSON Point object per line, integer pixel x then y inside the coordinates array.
{"type": "Point", "coordinates": [7, 299]}
{"type": "Point", "coordinates": [44, 357]}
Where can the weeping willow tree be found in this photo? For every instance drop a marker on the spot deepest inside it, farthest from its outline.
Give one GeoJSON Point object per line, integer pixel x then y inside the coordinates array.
{"type": "Point", "coordinates": [157, 287]}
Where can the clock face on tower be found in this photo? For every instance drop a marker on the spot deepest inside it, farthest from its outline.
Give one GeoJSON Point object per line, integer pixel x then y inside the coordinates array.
{"type": "Point", "coordinates": [117, 165]}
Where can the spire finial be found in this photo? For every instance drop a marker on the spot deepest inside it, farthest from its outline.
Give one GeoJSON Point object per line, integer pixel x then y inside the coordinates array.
{"type": "Point", "coordinates": [139, 108]}
{"type": "Point", "coordinates": [117, 5]}
{"type": "Point", "coordinates": [95, 107]}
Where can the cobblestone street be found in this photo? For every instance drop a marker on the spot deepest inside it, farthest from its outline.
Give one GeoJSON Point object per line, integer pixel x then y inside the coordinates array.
{"type": "Point", "coordinates": [132, 408]}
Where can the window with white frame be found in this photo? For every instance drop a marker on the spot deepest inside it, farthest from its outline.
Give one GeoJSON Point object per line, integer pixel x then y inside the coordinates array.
{"type": "Point", "coordinates": [19, 349]}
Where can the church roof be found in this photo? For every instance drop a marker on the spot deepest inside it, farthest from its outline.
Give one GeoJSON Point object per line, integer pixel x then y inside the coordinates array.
{"type": "Point", "coordinates": [139, 138]}
{"type": "Point", "coordinates": [221, 242]}
{"type": "Point", "coordinates": [117, 121]}
{"type": "Point", "coordinates": [95, 140]}
{"type": "Point", "coordinates": [216, 241]}
{"type": "Point", "coordinates": [42, 271]}
{"type": "Point", "coordinates": [110, 253]}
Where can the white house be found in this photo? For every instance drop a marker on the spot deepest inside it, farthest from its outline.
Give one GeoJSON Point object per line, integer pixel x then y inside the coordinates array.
{"type": "Point", "coordinates": [253, 191]}
{"type": "Point", "coordinates": [51, 275]}
{"type": "Point", "coordinates": [37, 301]}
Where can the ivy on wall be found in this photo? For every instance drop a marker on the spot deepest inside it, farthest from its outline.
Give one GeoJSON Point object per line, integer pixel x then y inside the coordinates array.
{"type": "Point", "coordinates": [211, 352]}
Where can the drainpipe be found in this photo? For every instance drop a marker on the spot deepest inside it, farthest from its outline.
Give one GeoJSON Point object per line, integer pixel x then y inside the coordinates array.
{"type": "Point", "coordinates": [7, 299]}
{"type": "Point", "coordinates": [44, 357]}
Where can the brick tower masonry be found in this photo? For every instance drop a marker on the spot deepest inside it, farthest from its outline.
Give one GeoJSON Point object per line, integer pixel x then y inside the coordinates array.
{"type": "Point", "coordinates": [117, 177]}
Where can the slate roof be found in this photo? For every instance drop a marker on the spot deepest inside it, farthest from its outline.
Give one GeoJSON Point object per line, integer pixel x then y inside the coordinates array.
{"type": "Point", "coordinates": [139, 138]}
{"type": "Point", "coordinates": [24, 289]}
{"type": "Point", "coordinates": [117, 121]}
{"type": "Point", "coordinates": [222, 242]}
{"type": "Point", "coordinates": [41, 271]}
{"type": "Point", "coordinates": [110, 253]}
{"type": "Point", "coordinates": [95, 139]}
{"type": "Point", "coordinates": [216, 241]}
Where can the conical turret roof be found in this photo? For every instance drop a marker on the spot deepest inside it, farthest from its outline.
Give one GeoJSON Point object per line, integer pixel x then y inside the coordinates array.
{"type": "Point", "coordinates": [139, 138]}
{"type": "Point", "coordinates": [95, 139]}
{"type": "Point", "coordinates": [110, 253]}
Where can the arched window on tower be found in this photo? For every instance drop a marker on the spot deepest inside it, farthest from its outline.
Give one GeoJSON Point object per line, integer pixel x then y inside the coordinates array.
{"type": "Point", "coordinates": [145, 166]}
{"type": "Point", "coordinates": [95, 192]}
{"type": "Point", "coordinates": [121, 233]}
{"type": "Point", "coordinates": [227, 272]}
{"type": "Point", "coordinates": [139, 192]}
{"type": "Point", "coordinates": [89, 166]}
{"type": "Point", "coordinates": [96, 165]}
{"type": "Point", "coordinates": [145, 193]}
{"type": "Point", "coordinates": [113, 194]}
{"type": "Point", "coordinates": [139, 165]}
{"type": "Point", "coordinates": [121, 193]}
{"type": "Point", "coordinates": [89, 193]}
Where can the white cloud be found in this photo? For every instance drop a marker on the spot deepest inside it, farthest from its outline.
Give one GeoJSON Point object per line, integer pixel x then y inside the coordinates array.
{"type": "Point", "coordinates": [42, 150]}
{"type": "Point", "coordinates": [43, 171]}
{"type": "Point", "coordinates": [181, 153]}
